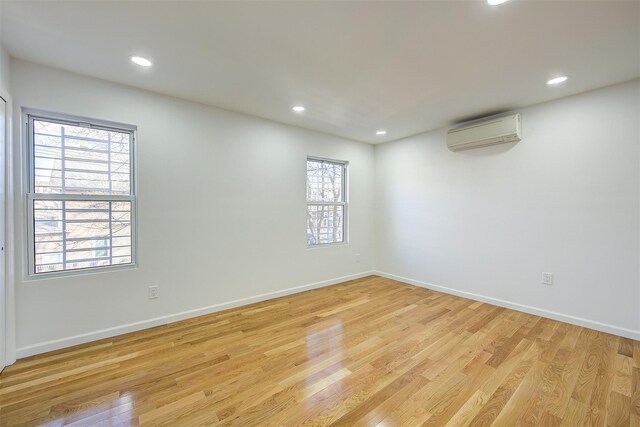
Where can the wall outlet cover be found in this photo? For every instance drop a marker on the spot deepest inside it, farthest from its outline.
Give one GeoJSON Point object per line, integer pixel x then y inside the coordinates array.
{"type": "Point", "coordinates": [153, 292]}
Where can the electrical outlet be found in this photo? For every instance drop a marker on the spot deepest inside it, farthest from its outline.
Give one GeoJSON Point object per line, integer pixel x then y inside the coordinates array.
{"type": "Point", "coordinates": [153, 292]}
{"type": "Point", "coordinates": [547, 279]}
{"type": "Point", "coordinates": [357, 257]}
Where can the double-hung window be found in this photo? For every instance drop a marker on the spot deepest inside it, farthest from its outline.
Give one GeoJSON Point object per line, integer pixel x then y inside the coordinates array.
{"type": "Point", "coordinates": [81, 198]}
{"type": "Point", "coordinates": [326, 201]}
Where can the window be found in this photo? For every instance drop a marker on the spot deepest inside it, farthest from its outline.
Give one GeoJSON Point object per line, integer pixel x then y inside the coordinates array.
{"type": "Point", "coordinates": [81, 198]}
{"type": "Point", "coordinates": [326, 201]}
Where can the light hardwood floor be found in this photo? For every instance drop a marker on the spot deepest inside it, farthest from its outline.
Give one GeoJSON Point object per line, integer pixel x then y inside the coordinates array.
{"type": "Point", "coordinates": [371, 352]}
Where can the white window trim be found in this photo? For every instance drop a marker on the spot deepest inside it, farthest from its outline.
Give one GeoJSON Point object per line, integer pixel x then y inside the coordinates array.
{"type": "Point", "coordinates": [344, 203]}
{"type": "Point", "coordinates": [28, 115]}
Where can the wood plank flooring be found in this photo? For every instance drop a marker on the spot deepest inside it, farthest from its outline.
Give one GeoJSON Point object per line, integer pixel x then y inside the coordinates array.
{"type": "Point", "coordinates": [370, 352]}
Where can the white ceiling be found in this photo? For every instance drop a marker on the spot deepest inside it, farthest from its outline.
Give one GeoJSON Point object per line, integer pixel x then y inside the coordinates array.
{"type": "Point", "coordinates": [406, 67]}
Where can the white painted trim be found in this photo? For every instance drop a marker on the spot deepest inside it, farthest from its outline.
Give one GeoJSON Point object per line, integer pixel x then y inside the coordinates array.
{"type": "Point", "coordinates": [10, 306]}
{"type": "Point", "coordinates": [46, 346]}
{"type": "Point", "coordinates": [574, 320]}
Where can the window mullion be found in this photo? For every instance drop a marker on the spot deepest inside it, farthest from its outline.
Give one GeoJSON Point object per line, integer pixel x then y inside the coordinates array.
{"type": "Point", "coordinates": [62, 161]}
{"type": "Point", "coordinates": [326, 203]}
{"type": "Point", "coordinates": [64, 235]}
{"type": "Point", "coordinates": [109, 165]}
{"type": "Point", "coordinates": [81, 197]}
{"type": "Point", "coordinates": [110, 233]}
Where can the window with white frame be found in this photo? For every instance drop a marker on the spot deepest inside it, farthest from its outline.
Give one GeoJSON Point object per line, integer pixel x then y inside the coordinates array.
{"type": "Point", "coordinates": [81, 199]}
{"type": "Point", "coordinates": [326, 201]}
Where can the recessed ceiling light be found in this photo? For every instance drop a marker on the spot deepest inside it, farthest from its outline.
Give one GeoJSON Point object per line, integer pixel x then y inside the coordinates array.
{"type": "Point", "coordinates": [496, 2]}
{"type": "Point", "coordinates": [143, 62]}
{"type": "Point", "coordinates": [557, 80]}
{"type": "Point", "coordinates": [298, 108]}
{"type": "Point", "coordinates": [381, 132]}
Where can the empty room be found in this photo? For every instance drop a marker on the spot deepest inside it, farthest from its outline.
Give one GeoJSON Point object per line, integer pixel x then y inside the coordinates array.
{"type": "Point", "coordinates": [319, 213]}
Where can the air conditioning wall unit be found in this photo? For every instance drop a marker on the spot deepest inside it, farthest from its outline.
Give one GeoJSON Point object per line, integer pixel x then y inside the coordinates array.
{"type": "Point", "coordinates": [498, 130]}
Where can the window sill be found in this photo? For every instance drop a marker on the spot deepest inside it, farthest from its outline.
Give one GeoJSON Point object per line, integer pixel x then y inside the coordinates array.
{"type": "Point", "coordinates": [79, 272]}
{"type": "Point", "coordinates": [327, 245]}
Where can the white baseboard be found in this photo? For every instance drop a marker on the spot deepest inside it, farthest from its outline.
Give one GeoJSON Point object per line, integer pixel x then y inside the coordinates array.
{"type": "Point", "coordinates": [591, 324]}
{"type": "Point", "coordinates": [57, 344]}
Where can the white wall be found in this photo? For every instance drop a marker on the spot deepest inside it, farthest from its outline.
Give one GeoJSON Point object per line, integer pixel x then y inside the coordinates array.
{"type": "Point", "coordinates": [4, 69]}
{"type": "Point", "coordinates": [566, 200]}
{"type": "Point", "coordinates": [221, 211]}
{"type": "Point", "coordinates": [4, 61]}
